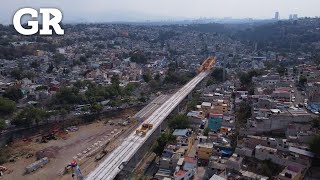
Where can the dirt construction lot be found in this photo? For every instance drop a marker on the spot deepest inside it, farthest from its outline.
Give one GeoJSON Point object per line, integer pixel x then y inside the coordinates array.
{"type": "Point", "coordinates": [87, 141]}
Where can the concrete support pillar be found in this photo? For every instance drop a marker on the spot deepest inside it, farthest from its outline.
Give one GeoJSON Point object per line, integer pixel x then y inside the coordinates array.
{"type": "Point", "coordinates": [190, 96]}
{"type": "Point", "coordinates": [178, 108]}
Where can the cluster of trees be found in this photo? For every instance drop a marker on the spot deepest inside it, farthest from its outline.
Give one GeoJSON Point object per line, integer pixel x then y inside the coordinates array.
{"type": "Point", "coordinates": [246, 78]}
{"type": "Point", "coordinates": [13, 93]}
{"type": "Point", "coordinates": [175, 77]}
{"type": "Point", "coordinates": [165, 35]}
{"type": "Point", "coordinates": [302, 80]}
{"type": "Point", "coordinates": [138, 57]}
{"type": "Point", "coordinates": [147, 77]}
{"type": "Point", "coordinates": [94, 93]}
{"type": "Point", "coordinates": [243, 113]}
{"type": "Point", "coordinates": [176, 122]}
{"type": "Point", "coordinates": [283, 36]}
{"type": "Point", "coordinates": [194, 102]}
{"type": "Point", "coordinates": [162, 141]}
{"type": "Point", "coordinates": [213, 28]}
{"type": "Point", "coordinates": [216, 76]}
{"type": "Point", "coordinates": [58, 58]}
{"type": "Point", "coordinates": [20, 73]}
{"type": "Point", "coordinates": [179, 122]}
{"type": "Point", "coordinates": [11, 52]}
{"type": "Point", "coordinates": [7, 106]}
{"type": "Point", "coordinates": [314, 144]}
{"type": "Point", "coordinates": [2, 125]}
{"type": "Point", "coordinates": [179, 78]}
{"type": "Point", "coordinates": [30, 116]}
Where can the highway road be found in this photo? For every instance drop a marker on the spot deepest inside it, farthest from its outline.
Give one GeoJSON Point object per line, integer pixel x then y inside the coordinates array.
{"type": "Point", "coordinates": [113, 164]}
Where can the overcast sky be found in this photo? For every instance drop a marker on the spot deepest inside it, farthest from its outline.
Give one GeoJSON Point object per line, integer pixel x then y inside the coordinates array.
{"type": "Point", "coordinates": [140, 10]}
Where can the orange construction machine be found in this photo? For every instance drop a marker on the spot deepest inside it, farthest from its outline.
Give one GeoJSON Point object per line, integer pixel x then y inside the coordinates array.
{"type": "Point", "coordinates": [144, 129]}
{"type": "Point", "coordinates": [208, 64]}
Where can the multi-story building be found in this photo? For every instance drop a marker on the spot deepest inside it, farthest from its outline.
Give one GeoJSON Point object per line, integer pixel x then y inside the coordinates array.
{"type": "Point", "coordinates": [204, 151]}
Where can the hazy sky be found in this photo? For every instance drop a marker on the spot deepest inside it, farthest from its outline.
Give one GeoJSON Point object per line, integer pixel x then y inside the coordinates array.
{"type": "Point", "coordinates": [134, 10]}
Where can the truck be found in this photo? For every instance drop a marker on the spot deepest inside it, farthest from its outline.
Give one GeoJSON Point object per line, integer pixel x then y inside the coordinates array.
{"type": "Point", "coordinates": [144, 129]}
{"type": "Point", "coordinates": [36, 165]}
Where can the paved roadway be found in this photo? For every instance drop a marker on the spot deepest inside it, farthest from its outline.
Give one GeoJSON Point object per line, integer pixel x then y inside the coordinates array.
{"type": "Point", "coordinates": [113, 164]}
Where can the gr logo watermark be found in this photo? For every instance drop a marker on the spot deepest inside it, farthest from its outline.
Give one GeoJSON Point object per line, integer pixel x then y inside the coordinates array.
{"type": "Point", "coordinates": [47, 21]}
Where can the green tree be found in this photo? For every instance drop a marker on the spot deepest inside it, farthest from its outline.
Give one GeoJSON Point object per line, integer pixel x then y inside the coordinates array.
{"type": "Point", "coordinates": [29, 116]}
{"type": "Point", "coordinates": [217, 74]}
{"type": "Point", "coordinates": [162, 141]}
{"type": "Point", "coordinates": [316, 59]}
{"type": "Point", "coordinates": [139, 57]}
{"type": "Point", "coordinates": [246, 78]}
{"type": "Point", "coordinates": [7, 106]}
{"type": "Point", "coordinates": [157, 77]}
{"type": "Point", "coordinates": [314, 144]}
{"type": "Point", "coordinates": [206, 131]}
{"type": "Point", "coordinates": [97, 108]}
{"type": "Point", "coordinates": [210, 81]}
{"type": "Point", "coordinates": [35, 64]}
{"type": "Point", "coordinates": [68, 95]}
{"type": "Point", "coordinates": [13, 93]}
{"type": "Point", "coordinates": [63, 113]}
{"type": "Point", "coordinates": [243, 113]}
{"type": "Point", "coordinates": [154, 85]}
{"type": "Point", "coordinates": [179, 122]}
{"type": "Point", "coordinates": [302, 80]}
{"type": "Point", "coordinates": [281, 70]}
{"type": "Point", "coordinates": [147, 77]}
{"type": "Point", "coordinates": [50, 69]}
{"type": "Point", "coordinates": [115, 81]}
{"type": "Point", "coordinates": [316, 122]}
{"type": "Point", "coordinates": [295, 70]}
{"type": "Point", "coordinates": [83, 59]}
{"type": "Point", "coordinates": [2, 124]}
{"type": "Point", "coordinates": [58, 58]}
{"type": "Point", "coordinates": [17, 73]}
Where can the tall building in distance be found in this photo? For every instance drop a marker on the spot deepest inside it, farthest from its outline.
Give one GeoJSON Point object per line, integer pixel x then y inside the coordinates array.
{"type": "Point", "coordinates": [276, 16]}
{"type": "Point", "coordinates": [295, 17]}
{"type": "Point", "coordinates": [290, 17]}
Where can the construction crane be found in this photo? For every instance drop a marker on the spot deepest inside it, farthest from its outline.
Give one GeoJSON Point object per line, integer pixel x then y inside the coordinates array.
{"type": "Point", "coordinates": [208, 64]}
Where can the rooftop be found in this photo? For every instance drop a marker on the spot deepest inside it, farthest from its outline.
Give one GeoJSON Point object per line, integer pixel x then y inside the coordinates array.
{"type": "Point", "coordinates": [180, 132]}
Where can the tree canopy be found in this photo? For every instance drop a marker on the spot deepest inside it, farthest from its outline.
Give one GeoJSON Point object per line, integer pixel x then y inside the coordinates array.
{"type": "Point", "coordinates": [162, 141]}
{"type": "Point", "coordinates": [13, 94]}
{"type": "Point", "coordinates": [29, 116]}
{"type": "Point", "coordinates": [7, 106]}
{"type": "Point", "coordinates": [2, 124]}
{"type": "Point", "coordinates": [179, 122]}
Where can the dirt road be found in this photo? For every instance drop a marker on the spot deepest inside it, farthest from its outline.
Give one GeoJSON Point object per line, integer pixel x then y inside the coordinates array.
{"type": "Point", "coordinates": [62, 151]}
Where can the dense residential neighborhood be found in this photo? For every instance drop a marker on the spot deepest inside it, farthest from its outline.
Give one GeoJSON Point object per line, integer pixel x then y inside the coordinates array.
{"type": "Point", "coordinates": [78, 97]}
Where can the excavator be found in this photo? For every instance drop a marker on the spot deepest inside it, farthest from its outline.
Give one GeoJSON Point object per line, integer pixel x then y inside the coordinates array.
{"type": "Point", "coordinates": [208, 64]}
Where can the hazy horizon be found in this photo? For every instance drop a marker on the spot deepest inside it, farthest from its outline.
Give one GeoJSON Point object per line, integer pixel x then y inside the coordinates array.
{"type": "Point", "coordinates": [156, 10]}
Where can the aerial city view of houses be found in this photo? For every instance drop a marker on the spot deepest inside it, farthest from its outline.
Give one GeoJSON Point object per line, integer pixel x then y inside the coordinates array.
{"type": "Point", "coordinates": [196, 99]}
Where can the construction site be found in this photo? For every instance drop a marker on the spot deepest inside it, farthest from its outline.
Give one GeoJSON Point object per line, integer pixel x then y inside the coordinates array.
{"type": "Point", "coordinates": [47, 155]}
